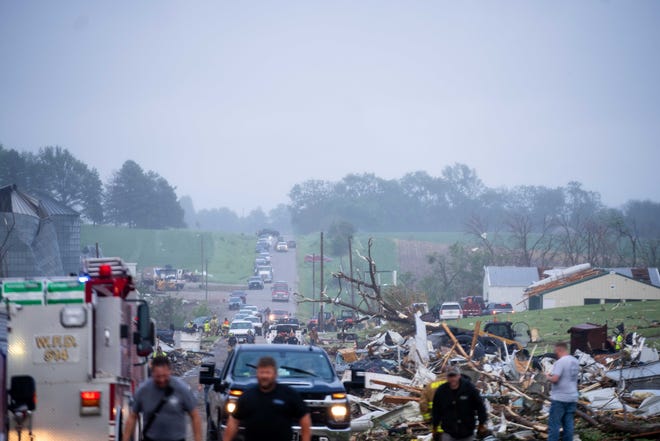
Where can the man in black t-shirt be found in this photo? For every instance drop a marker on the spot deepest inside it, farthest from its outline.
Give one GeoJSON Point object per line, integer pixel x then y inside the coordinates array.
{"type": "Point", "coordinates": [267, 410]}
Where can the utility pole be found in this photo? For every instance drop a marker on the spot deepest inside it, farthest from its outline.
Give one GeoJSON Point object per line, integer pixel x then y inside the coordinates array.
{"type": "Point", "coordinates": [322, 316]}
{"type": "Point", "coordinates": [313, 284]}
{"type": "Point", "coordinates": [201, 238]}
{"type": "Point", "coordinates": [206, 284]}
{"type": "Point", "coordinates": [350, 264]}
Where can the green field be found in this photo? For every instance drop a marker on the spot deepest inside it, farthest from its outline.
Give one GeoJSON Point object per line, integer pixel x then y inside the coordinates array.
{"type": "Point", "coordinates": [230, 256]}
{"type": "Point", "coordinates": [447, 238]}
{"type": "Point", "coordinates": [553, 324]}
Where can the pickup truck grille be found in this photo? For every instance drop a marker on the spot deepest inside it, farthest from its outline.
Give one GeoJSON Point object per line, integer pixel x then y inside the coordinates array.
{"type": "Point", "coordinates": [318, 412]}
{"type": "Point", "coordinates": [319, 416]}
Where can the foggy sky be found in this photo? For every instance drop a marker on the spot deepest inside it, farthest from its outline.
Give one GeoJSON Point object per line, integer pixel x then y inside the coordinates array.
{"type": "Point", "coordinates": [234, 102]}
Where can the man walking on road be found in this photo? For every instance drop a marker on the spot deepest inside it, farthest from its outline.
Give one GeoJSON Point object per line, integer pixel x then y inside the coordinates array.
{"type": "Point", "coordinates": [454, 407]}
{"type": "Point", "coordinates": [164, 401]}
{"type": "Point", "coordinates": [563, 395]}
{"type": "Point", "coordinates": [266, 410]}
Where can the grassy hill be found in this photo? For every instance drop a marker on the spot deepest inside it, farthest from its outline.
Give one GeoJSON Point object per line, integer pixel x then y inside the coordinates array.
{"type": "Point", "coordinates": [553, 324]}
{"type": "Point", "coordinates": [230, 256]}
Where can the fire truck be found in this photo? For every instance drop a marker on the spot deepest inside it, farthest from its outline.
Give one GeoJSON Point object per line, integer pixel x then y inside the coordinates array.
{"type": "Point", "coordinates": [76, 351]}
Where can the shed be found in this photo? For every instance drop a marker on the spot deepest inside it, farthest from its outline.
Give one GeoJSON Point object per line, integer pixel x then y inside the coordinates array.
{"type": "Point", "coordinates": [589, 338]}
{"type": "Point", "coordinates": [506, 284]}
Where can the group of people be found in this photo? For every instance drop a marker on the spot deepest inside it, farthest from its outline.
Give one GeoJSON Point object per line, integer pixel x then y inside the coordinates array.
{"type": "Point", "coordinates": [452, 405]}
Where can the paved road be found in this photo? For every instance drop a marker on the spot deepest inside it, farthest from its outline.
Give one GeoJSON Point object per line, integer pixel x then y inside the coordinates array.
{"type": "Point", "coordinates": [284, 268]}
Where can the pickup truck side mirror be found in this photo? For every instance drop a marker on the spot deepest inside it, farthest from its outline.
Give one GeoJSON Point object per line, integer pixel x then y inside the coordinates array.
{"type": "Point", "coordinates": [207, 373]}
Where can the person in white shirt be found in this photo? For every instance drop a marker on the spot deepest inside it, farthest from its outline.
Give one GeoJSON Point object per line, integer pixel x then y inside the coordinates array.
{"type": "Point", "coordinates": [563, 394]}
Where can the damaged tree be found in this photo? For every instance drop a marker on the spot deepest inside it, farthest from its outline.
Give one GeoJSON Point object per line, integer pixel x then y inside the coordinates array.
{"type": "Point", "coordinates": [371, 302]}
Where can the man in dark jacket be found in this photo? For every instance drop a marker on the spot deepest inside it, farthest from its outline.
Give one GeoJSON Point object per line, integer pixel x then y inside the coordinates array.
{"type": "Point", "coordinates": [454, 407]}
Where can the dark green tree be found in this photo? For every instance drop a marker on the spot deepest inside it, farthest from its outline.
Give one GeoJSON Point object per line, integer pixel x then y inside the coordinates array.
{"type": "Point", "coordinates": [338, 234]}
{"type": "Point", "coordinates": [16, 168]}
{"type": "Point", "coordinates": [142, 200]}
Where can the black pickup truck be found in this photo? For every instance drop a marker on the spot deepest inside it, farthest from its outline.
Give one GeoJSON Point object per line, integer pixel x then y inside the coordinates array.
{"type": "Point", "coordinates": [305, 368]}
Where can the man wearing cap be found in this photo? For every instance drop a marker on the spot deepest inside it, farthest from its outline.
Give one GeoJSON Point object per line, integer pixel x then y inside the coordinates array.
{"type": "Point", "coordinates": [454, 407]}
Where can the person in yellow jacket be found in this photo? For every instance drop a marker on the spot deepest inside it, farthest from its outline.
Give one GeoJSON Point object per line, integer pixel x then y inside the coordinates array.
{"type": "Point", "coordinates": [426, 401]}
{"type": "Point", "coordinates": [207, 328]}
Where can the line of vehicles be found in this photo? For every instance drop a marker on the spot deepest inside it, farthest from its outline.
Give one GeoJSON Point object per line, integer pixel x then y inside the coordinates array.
{"type": "Point", "coordinates": [278, 326]}
{"type": "Point", "coordinates": [305, 368]}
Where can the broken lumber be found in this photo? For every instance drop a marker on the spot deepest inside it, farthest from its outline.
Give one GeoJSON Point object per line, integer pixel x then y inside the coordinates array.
{"type": "Point", "coordinates": [475, 337]}
{"type": "Point", "coordinates": [413, 389]}
{"type": "Point", "coordinates": [396, 399]}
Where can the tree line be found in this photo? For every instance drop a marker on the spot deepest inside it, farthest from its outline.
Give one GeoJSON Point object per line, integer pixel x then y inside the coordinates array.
{"type": "Point", "coordinates": [132, 197]}
{"type": "Point", "coordinates": [524, 225]}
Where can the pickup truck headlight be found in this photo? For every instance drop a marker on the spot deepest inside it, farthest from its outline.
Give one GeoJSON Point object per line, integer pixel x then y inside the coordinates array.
{"type": "Point", "coordinates": [339, 412]}
{"type": "Point", "coordinates": [231, 407]}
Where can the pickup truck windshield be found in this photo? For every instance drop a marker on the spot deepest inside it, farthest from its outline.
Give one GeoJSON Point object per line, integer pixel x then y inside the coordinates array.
{"type": "Point", "coordinates": [290, 364]}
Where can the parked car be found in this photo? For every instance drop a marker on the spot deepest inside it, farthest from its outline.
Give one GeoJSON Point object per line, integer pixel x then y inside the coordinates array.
{"type": "Point", "coordinates": [235, 303]}
{"type": "Point", "coordinates": [241, 294]}
{"type": "Point", "coordinates": [472, 306]}
{"type": "Point", "coordinates": [278, 314]}
{"type": "Point", "coordinates": [255, 282]}
{"type": "Point", "coordinates": [240, 329]}
{"type": "Point", "coordinates": [250, 308]}
{"type": "Point", "coordinates": [498, 308]}
{"type": "Point", "coordinates": [266, 274]}
{"type": "Point", "coordinates": [450, 311]}
{"type": "Point", "coordinates": [280, 292]}
{"type": "Point", "coordinates": [256, 323]}
{"type": "Point", "coordinates": [291, 244]}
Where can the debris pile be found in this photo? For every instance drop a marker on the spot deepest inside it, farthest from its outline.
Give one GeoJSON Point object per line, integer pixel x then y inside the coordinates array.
{"type": "Point", "coordinates": [386, 381]}
{"type": "Point", "coordinates": [184, 361]}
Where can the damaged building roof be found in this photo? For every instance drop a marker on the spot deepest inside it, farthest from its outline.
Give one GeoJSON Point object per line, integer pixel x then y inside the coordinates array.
{"type": "Point", "coordinates": [648, 276]}
{"type": "Point", "coordinates": [511, 275]}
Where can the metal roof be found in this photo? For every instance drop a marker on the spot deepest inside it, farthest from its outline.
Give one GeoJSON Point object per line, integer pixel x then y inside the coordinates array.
{"type": "Point", "coordinates": [647, 275]}
{"type": "Point", "coordinates": [623, 271]}
{"type": "Point", "coordinates": [655, 276]}
{"type": "Point", "coordinates": [15, 201]}
{"type": "Point", "coordinates": [52, 207]}
{"type": "Point", "coordinates": [521, 276]}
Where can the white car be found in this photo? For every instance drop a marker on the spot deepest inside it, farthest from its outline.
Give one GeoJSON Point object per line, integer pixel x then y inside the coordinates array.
{"type": "Point", "coordinates": [281, 246]}
{"type": "Point", "coordinates": [451, 311]}
{"type": "Point", "coordinates": [256, 323]}
{"type": "Point", "coordinates": [240, 329]}
{"type": "Point", "coordinates": [253, 310]}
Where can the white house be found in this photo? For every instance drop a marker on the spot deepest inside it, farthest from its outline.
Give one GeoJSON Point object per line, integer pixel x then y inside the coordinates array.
{"type": "Point", "coordinates": [587, 286]}
{"type": "Point", "coordinates": [507, 284]}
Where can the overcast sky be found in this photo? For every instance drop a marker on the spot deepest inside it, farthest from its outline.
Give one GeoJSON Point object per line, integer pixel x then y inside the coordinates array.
{"type": "Point", "coordinates": [234, 102]}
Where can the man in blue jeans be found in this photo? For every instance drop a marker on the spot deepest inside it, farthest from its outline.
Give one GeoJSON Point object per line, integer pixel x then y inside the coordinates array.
{"type": "Point", "coordinates": [564, 394]}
